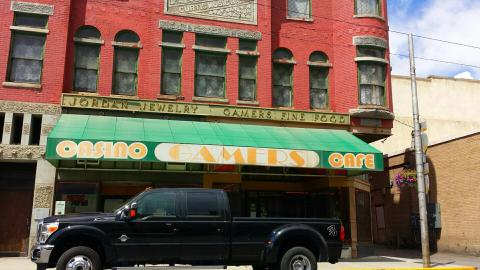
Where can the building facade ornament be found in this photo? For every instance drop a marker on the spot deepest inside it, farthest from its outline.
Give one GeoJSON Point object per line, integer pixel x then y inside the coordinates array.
{"type": "Point", "coordinates": [21, 152]}
{"type": "Point", "coordinates": [27, 107]}
{"type": "Point", "coordinates": [34, 8]}
{"type": "Point", "coordinates": [209, 30]}
{"type": "Point", "coordinates": [43, 196]}
{"type": "Point", "coordinates": [370, 41]}
{"type": "Point", "coordinates": [244, 11]}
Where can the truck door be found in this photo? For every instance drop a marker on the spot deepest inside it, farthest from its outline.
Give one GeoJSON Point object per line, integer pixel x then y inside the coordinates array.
{"type": "Point", "coordinates": [152, 236]}
{"type": "Point", "coordinates": [204, 229]}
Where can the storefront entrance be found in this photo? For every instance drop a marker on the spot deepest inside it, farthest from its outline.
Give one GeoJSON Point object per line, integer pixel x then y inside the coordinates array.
{"type": "Point", "coordinates": [16, 195]}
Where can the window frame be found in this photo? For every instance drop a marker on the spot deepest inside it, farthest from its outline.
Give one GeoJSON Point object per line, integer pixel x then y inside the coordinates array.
{"type": "Point", "coordinates": [197, 55]}
{"type": "Point", "coordinates": [379, 14]}
{"type": "Point", "coordinates": [310, 15]}
{"type": "Point", "coordinates": [93, 42]}
{"type": "Point", "coordinates": [122, 45]}
{"type": "Point", "coordinates": [327, 84]}
{"type": "Point", "coordinates": [283, 62]}
{"type": "Point", "coordinates": [177, 206]}
{"type": "Point", "coordinates": [170, 46]}
{"type": "Point", "coordinates": [384, 101]}
{"type": "Point", "coordinates": [26, 30]}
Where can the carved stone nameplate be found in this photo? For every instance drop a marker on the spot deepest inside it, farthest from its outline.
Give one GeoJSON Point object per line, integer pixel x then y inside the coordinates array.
{"type": "Point", "coordinates": [239, 11]}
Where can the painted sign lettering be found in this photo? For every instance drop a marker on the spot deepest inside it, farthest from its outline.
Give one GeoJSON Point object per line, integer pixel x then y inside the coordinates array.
{"type": "Point", "coordinates": [106, 150]}
{"type": "Point", "coordinates": [351, 161]}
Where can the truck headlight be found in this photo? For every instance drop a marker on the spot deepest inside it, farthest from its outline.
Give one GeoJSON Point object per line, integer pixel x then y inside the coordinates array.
{"type": "Point", "coordinates": [46, 230]}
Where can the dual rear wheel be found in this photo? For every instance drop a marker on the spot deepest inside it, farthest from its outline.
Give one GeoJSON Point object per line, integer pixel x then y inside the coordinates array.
{"type": "Point", "coordinates": [296, 258]}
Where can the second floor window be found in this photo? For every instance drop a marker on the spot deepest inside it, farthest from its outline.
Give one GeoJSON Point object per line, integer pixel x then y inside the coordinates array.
{"type": "Point", "coordinates": [247, 84]}
{"type": "Point", "coordinates": [125, 69]}
{"type": "Point", "coordinates": [282, 94]}
{"type": "Point", "coordinates": [87, 53]}
{"type": "Point", "coordinates": [172, 50]}
{"type": "Point", "coordinates": [210, 66]}
{"type": "Point", "coordinates": [27, 48]}
{"type": "Point", "coordinates": [319, 68]}
{"type": "Point", "coordinates": [372, 75]}
{"type": "Point", "coordinates": [367, 7]}
{"type": "Point", "coordinates": [299, 9]}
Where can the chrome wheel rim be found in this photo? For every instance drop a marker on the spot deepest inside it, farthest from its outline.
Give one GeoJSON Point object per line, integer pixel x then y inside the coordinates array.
{"type": "Point", "coordinates": [79, 262]}
{"type": "Point", "coordinates": [300, 262]}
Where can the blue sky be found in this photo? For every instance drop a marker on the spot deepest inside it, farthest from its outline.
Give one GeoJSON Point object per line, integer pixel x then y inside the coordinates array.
{"type": "Point", "coordinates": [452, 20]}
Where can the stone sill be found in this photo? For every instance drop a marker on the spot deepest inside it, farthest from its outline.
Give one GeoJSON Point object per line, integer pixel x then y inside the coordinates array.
{"type": "Point", "coordinates": [137, 45]}
{"type": "Point", "coordinates": [317, 64]}
{"type": "Point", "coordinates": [370, 59]}
{"type": "Point", "coordinates": [369, 16]}
{"type": "Point", "coordinates": [172, 45]}
{"type": "Point", "coordinates": [248, 102]}
{"type": "Point", "coordinates": [300, 19]}
{"type": "Point", "coordinates": [22, 85]}
{"type": "Point", "coordinates": [89, 40]}
{"type": "Point", "coordinates": [210, 49]}
{"type": "Point", "coordinates": [29, 29]}
{"type": "Point", "coordinates": [211, 99]}
{"type": "Point", "coordinates": [170, 97]}
{"type": "Point", "coordinates": [249, 53]}
{"type": "Point", "coordinates": [371, 111]}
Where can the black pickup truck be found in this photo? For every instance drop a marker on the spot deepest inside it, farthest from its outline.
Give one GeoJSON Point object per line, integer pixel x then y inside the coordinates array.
{"type": "Point", "coordinates": [184, 226]}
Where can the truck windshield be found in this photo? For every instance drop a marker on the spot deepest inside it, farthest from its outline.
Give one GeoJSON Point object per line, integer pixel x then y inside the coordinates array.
{"type": "Point", "coordinates": [129, 201]}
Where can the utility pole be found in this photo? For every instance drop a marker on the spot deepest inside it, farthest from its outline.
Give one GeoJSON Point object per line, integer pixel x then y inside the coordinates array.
{"type": "Point", "coordinates": [422, 200]}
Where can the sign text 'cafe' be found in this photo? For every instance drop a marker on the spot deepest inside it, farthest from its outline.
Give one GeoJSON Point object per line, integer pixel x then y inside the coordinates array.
{"type": "Point", "coordinates": [211, 154]}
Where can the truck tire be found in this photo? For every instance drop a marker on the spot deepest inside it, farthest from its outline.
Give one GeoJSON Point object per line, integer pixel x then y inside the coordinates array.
{"type": "Point", "coordinates": [79, 258]}
{"type": "Point", "coordinates": [298, 258]}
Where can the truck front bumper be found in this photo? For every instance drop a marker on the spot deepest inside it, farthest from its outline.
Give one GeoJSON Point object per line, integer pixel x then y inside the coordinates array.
{"type": "Point", "coordinates": [41, 254]}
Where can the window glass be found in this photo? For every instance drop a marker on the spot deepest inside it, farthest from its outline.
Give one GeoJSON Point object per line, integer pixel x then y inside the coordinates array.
{"type": "Point", "coordinates": [318, 88]}
{"type": "Point", "coordinates": [171, 71]}
{"type": "Point", "coordinates": [172, 36]}
{"type": "Point", "coordinates": [30, 20]}
{"type": "Point", "coordinates": [127, 36]}
{"type": "Point", "coordinates": [318, 57]}
{"type": "Point", "coordinates": [282, 54]}
{"type": "Point", "coordinates": [247, 45]}
{"type": "Point", "coordinates": [210, 75]}
{"type": "Point", "coordinates": [248, 78]}
{"type": "Point", "coordinates": [282, 85]}
{"type": "Point", "coordinates": [372, 83]}
{"type": "Point", "coordinates": [368, 7]}
{"type": "Point", "coordinates": [26, 57]}
{"type": "Point", "coordinates": [125, 79]}
{"type": "Point", "coordinates": [202, 204]}
{"type": "Point", "coordinates": [211, 41]}
{"type": "Point", "coordinates": [88, 32]}
{"type": "Point", "coordinates": [299, 9]}
{"type": "Point", "coordinates": [159, 204]}
{"type": "Point", "coordinates": [370, 52]}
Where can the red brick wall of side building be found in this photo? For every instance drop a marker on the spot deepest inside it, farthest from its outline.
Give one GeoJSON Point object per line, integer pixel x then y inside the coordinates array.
{"type": "Point", "coordinates": [453, 167]}
{"type": "Point", "coordinates": [331, 30]}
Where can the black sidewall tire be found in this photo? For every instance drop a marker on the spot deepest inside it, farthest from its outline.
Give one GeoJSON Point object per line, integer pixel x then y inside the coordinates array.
{"type": "Point", "coordinates": [287, 257]}
{"type": "Point", "coordinates": [75, 251]}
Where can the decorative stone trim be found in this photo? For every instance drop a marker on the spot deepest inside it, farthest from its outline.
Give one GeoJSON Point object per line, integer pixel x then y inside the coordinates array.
{"type": "Point", "coordinates": [249, 53]}
{"type": "Point", "coordinates": [26, 107]}
{"type": "Point", "coordinates": [209, 30]}
{"type": "Point", "coordinates": [21, 152]}
{"type": "Point", "coordinates": [375, 113]}
{"type": "Point", "coordinates": [319, 64]}
{"type": "Point", "coordinates": [89, 40]}
{"type": "Point", "coordinates": [127, 44]}
{"type": "Point", "coordinates": [43, 196]}
{"type": "Point", "coordinates": [29, 29]}
{"type": "Point", "coordinates": [370, 59]}
{"type": "Point", "coordinates": [210, 49]}
{"type": "Point", "coordinates": [33, 8]}
{"type": "Point", "coordinates": [22, 85]}
{"type": "Point", "coordinates": [7, 128]}
{"type": "Point", "coordinates": [369, 16]}
{"type": "Point", "coordinates": [26, 129]}
{"type": "Point", "coordinates": [210, 99]}
{"type": "Point", "coordinates": [370, 41]}
{"type": "Point", "coordinates": [172, 45]}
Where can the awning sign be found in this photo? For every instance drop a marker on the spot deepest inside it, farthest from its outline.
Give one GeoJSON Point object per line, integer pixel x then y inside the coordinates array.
{"type": "Point", "coordinates": [212, 154]}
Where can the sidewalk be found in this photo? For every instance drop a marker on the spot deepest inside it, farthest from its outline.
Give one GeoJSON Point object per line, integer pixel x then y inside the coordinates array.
{"type": "Point", "coordinates": [383, 258]}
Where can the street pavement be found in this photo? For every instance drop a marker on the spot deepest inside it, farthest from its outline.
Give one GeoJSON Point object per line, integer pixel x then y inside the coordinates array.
{"type": "Point", "coordinates": [383, 258]}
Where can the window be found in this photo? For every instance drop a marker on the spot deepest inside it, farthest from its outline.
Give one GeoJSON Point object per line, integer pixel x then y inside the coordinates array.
{"type": "Point", "coordinates": [27, 46]}
{"type": "Point", "coordinates": [372, 75]}
{"type": "Point", "coordinates": [127, 48]}
{"type": "Point", "coordinates": [299, 9]}
{"type": "Point", "coordinates": [202, 204]}
{"type": "Point", "coordinates": [319, 68]}
{"type": "Point", "coordinates": [172, 51]}
{"type": "Point", "coordinates": [87, 53]}
{"type": "Point", "coordinates": [247, 88]}
{"type": "Point", "coordinates": [210, 66]}
{"type": "Point", "coordinates": [282, 78]}
{"type": "Point", "coordinates": [367, 7]}
{"type": "Point", "coordinates": [159, 204]}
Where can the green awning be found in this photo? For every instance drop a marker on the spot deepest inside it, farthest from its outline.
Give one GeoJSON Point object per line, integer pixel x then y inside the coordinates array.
{"type": "Point", "coordinates": [87, 137]}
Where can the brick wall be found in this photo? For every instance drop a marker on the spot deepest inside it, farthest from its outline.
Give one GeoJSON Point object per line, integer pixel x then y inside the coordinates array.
{"type": "Point", "coordinates": [331, 31]}
{"type": "Point", "coordinates": [453, 184]}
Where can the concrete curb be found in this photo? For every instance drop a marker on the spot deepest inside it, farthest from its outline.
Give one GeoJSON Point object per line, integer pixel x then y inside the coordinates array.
{"type": "Point", "coordinates": [412, 268]}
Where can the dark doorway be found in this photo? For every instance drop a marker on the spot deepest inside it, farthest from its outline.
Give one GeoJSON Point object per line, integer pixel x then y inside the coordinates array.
{"type": "Point", "coordinates": [16, 196]}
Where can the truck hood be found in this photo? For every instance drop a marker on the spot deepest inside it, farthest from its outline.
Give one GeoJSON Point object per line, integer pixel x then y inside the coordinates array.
{"type": "Point", "coordinates": [81, 217]}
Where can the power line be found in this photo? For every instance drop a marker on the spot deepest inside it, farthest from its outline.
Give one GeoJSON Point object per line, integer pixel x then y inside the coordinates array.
{"type": "Point", "coordinates": [438, 60]}
{"type": "Point", "coordinates": [439, 40]}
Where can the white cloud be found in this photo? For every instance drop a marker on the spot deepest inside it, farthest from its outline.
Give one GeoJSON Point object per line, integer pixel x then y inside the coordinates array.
{"type": "Point", "coordinates": [464, 75]}
{"type": "Point", "coordinates": [455, 21]}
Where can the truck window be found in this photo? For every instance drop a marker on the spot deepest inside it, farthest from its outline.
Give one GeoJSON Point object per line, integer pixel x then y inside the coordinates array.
{"type": "Point", "coordinates": [159, 204]}
{"type": "Point", "coordinates": [202, 204]}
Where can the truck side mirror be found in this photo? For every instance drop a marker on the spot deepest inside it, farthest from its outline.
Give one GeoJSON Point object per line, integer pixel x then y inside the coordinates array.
{"type": "Point", "coordinates": [129, 212]}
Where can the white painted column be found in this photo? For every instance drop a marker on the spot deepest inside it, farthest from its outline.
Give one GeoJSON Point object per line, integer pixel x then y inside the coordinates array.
{"type": "Point", "coordinates": [26, 128]}
{"type": "Point", "coordinates": [7, 128]}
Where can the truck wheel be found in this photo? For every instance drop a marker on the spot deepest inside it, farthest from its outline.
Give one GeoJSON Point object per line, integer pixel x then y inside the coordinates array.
{"type": "Point", "coordinates": [259, 267]}
{"type": "Point", "coordinates": [298, 258]}
{"type": "Point", "coordinates": [79, 258]}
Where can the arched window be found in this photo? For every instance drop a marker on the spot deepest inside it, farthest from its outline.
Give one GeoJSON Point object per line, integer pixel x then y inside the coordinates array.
{"type": "Point", "coordinates": [87, 57]}
{"type": "Point", "coordinates": [319, 68]}
{"type": "Point", "coordinates": [125, 67]}
{"type": "Point", "coordinates": [283, 62]}
{"type": "Point", "coordinates": [371, 75]}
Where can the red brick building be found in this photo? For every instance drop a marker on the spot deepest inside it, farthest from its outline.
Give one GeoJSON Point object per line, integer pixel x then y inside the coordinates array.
{"type": "Point", "coordinates": [291, 63]}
